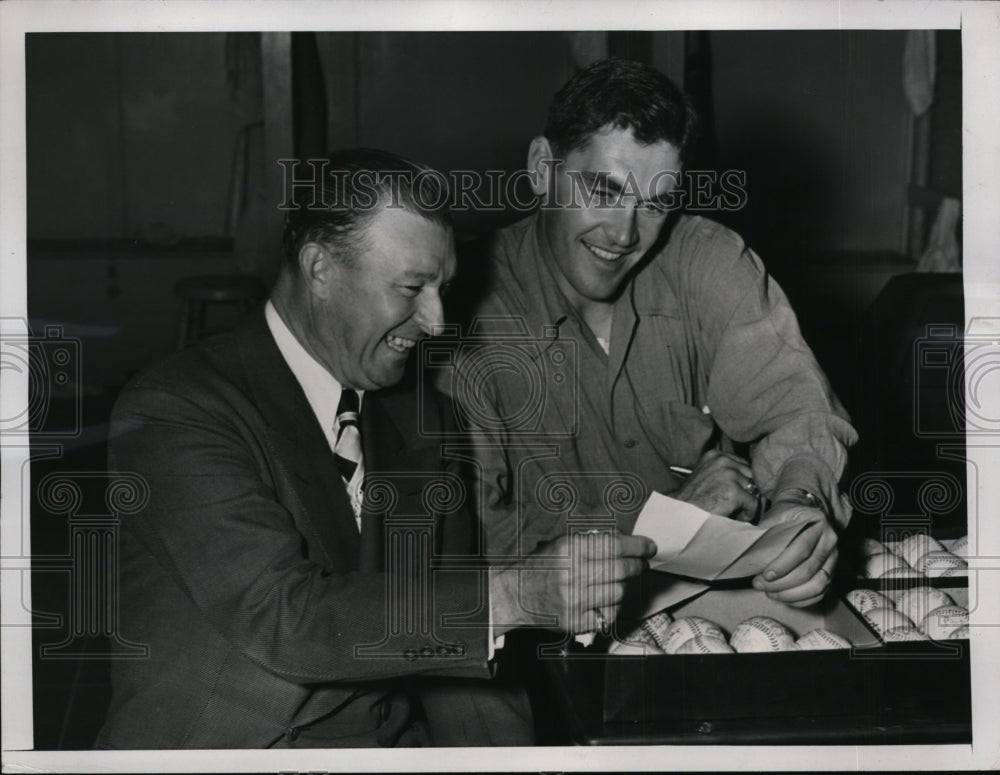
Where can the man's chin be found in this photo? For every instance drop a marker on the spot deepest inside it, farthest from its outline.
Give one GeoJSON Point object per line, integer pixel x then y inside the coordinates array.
{"type": "Point", "coordinates": [388, 374]}
{"type": "Point", "coordinates": [605, 292]}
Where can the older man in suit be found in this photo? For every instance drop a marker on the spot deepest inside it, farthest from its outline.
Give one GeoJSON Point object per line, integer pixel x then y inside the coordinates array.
{"type": "Point", "coordinates": [283, 600]}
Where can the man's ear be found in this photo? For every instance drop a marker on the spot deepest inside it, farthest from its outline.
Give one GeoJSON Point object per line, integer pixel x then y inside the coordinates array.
{"type": "Point", "coordinates": [318, 269]}
{"type": "Point", "coordinates": [540, 165]}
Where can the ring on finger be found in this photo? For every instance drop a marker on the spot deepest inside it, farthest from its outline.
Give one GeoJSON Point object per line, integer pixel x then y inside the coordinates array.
{"type": "Point", "coordinates": [752, 488]}
{"type": "Point", "coordinates": [602, 623]}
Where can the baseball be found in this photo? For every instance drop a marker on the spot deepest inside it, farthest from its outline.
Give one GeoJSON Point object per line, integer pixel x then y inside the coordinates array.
{"type": "Point", "coordinates": [944, 620]}
{"type": "Point", "coordinates": [941, 562]}
{"type": "Point", "coordinates": [704, 645]}
{"type": "Point", "coordinates": [639, 641]}
{"type": "Point", "coordinates": [959, 633]}
{"type": "Point", "coordinates": [686, 628]}
{"type": "Point", "coordinates": [897, 634]}
{"type": "Point", "coordinates": [761, 633]}
{"type": "Point", "coordinates": [919, 601]}
{"type": "Point", "coordinates": [656, 626]}
{"type": "Point", "coordinates": [916, 546]}
{"type": "Point", "coordinates": [867, 599]}
{"type": "Point", "coordinates": [885, 619]}
{"type": "Point", "coordinates": [960, 546]}
{"type": "Point", "coordinates": [821, 639]}
{"type": "Point", "coordinates": [902, 572]}
{"type": "Point", "coordinates": [878, 564]}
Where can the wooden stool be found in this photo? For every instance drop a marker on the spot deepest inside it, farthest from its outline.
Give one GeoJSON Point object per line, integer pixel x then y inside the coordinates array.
{"type": "Point", "coordinates": [241, 292]}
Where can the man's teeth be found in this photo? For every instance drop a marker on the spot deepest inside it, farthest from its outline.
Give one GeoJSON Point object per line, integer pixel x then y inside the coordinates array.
{"type": "Point", "coordinates": [607, 255]}
{"type": "Point", "coordinates": [398, 343]}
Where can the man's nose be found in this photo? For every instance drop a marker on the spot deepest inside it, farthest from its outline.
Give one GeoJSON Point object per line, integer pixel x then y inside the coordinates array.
{"type": "Point", "coordinates": [620, 226]}
{"type": "Point", "coordinates": [430, 312]}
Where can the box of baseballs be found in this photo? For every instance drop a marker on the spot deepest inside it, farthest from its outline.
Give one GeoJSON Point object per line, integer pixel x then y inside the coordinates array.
{"type": "Point", "coordinates": [917, 614]}
{"type": "Point", "coordinates": [747, 667]}
{"type": "Point", "coordinates": [901, 558]}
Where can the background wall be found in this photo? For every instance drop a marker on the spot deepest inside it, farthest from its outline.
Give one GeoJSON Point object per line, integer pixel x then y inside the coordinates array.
{"type": "Point", "coordinates": [128, 131]}
{"type": "Point", "coordinates": [133, 138]}
{"type": "Point", "coordinates": [818, 120]}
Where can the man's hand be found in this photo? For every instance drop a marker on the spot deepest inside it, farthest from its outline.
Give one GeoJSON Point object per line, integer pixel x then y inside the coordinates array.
{"type": "Point", "coordinates": [572, 578]}
{"type": "Point", "coordinates": [801, 574]}
{"type": "Point", "coordinates": [721, 484]}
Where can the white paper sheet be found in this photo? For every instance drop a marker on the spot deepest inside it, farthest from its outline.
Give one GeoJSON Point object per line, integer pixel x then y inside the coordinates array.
{"type": "Point", "coordinates": [691, 542]}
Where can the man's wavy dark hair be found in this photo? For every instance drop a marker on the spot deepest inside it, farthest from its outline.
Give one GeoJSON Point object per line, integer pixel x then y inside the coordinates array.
{"type": "Point", "coordinates": [624, 94]}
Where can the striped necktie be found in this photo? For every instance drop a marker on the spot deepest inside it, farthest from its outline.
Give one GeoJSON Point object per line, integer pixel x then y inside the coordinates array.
{"type": "Point", "coordinates": [347, 451]}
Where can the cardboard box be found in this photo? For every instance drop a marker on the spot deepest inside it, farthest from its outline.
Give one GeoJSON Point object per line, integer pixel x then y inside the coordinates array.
{"type": "Point", "coordinates": [871, 693]}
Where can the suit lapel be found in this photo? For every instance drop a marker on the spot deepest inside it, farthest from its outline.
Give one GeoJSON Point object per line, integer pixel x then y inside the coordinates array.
{"type": "Point", "coordinates": [302, 445]}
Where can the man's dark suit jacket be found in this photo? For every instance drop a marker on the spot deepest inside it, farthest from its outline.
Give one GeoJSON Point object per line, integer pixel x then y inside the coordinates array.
{"type": "Point", "coordinates": [246, 574]}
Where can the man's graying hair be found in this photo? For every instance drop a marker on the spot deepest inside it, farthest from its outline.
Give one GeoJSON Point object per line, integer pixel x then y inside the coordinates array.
{"type": "Point", "coordinates": [355, 186]}
{"type": "Point", "coordinates": [626, 95]}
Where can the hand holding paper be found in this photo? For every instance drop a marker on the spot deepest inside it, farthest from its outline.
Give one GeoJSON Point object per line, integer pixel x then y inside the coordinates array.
{"type": "Point", "coordinates": [700, 545]}
{"type": "Point", "coordinates": [801, 574]}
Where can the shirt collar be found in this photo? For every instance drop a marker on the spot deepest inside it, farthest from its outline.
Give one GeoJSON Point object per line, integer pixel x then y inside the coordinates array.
{"type": "Point", "coordinates": [321, 388]}
{"type": "Point", "coordinates": [554, 308]}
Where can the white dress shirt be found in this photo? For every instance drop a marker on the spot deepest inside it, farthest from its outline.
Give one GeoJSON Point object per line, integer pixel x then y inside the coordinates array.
{"type": "Point", "coordinates": [321, 389]}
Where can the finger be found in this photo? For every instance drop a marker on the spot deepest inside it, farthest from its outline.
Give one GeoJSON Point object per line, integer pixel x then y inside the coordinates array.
{"type": "Point", "coordinates": [731, 497]}
{"type": "Point", "coordinates": [598, 572]}
{"type": "Point", "coordinates": [608, 612]}
{"type": "Point", "coordinates": [724, 493]}
{"type": "Point", "coordinates": [809, 592]}
{"type": "Point", "coordinates": [746, 515]}
{"type": "Point", "coordinates": [746, 499]}
{"type": "Point", "coordinates": [737, 466]}
{"type": "Point", "coordinates": [726, 461]}
{"type": "Point", "coordinates": [788, 599]}
{"type": "Point", "coordinates": [812, 591]}
{"type": "Point", "coordinates": [720, 471]}
{"type": "Point", "coordinates": [603, 595]}
{"type": "Point", "coordinates": [797, 552]}
{"type": "Point", "coordinates": [738, 478]}
{"type": "Point", "coordinates": [623, 568]}
{"type": "Point", "coordinates": [634, 546]}
{"type": "Point", "coordinates": [815, 573]}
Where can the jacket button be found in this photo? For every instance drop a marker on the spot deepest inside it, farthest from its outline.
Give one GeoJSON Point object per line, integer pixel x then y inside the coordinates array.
{"type": "Point", "coordinates": [630, 443]}
{"type": "Point", "coordinates": [410, 655]}
{"type": "Point", "coordinates": [292, 734]}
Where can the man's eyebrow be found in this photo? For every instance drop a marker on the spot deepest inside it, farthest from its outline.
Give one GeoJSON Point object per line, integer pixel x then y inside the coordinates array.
{"type": "Point", "coordinates": [604, 178]}
{"type": "Point", "coordinates": [666, 199]}
{"type": "Point", "coordinates": [614, 187]}
{"type": "Point", "coordinates": [416, 274]}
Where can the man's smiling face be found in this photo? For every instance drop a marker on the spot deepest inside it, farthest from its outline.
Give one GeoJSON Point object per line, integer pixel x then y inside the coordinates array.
{"type": "Point", "coordinates": [375, 306]}
{"type": "Point", "coordinates": [598, 234]}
